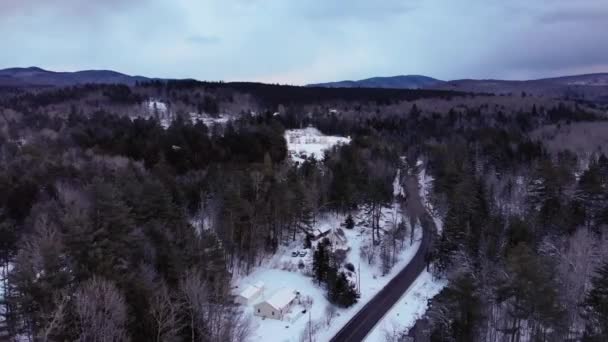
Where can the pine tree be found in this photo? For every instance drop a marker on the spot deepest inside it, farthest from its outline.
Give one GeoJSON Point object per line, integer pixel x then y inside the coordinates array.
{"type": "Point", "coordinates": [320, 263]}
{"type": "Point", "coordinates": [112, 248]}
{"type": "Point", "coordinates": [592, 193]}
{"type": "Point", "coordinates": [596, 307]}
{"type": "Point", "coordinates": [342, 292]}
{"type": "Point", "coordinates": [349, 222]}
{"type": "Point", "coordinates": [530, 291]}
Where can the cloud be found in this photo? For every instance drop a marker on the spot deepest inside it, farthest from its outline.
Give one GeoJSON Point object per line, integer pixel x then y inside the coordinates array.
{"type": "Point", "coordinates": [583, 16]}
{"type": "Point", "coordinates": [85, 8]}
{"type": "Point", "coordinates": [307, 41]}
{"type": "Point", "coordinates": [356, 9]}
{"type": "Point", "coordinates": [201, 39]}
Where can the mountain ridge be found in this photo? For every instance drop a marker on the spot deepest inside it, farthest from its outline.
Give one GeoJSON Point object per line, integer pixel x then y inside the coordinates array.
{"type": "Point", "coordinates": [397, 82]}
{"type": "Point", "coordinates": [35, 76]}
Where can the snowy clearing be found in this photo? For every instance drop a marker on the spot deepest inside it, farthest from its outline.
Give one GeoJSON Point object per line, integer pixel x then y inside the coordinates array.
{"type": "Point", "coordinates": [310, 142]}
{"type": "Point", "coordinates": [410, 307]}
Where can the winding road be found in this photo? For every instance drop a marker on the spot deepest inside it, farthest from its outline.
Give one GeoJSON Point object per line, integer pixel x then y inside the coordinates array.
{"type": "Point", "coordinates": [364, 321]}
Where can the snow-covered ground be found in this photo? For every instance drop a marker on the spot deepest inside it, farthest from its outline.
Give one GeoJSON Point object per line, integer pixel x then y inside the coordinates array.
{"type": "Point", "coordinates": [410, 307]}
{"type": "Point", "coordinates": [209, 120]}
{"type": "Point", "coordinates": [305, 142]}
{"type": "Point", "coordinates": [426, 183]}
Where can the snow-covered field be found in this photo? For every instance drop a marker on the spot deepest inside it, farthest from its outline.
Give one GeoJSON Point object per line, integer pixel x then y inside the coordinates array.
{"type": "Point", "coordinates": [410, 307]}
{"type": "Point", "coordinates": [310, 142]}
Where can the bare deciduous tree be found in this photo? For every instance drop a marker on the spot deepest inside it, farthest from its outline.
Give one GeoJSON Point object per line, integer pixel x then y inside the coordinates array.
{"type": "Point", "coordinates": [164, 311]}
{"type": "Point", "coordinates": [101, 311]}
{"type": "Point", "coordinates": [209, 318]}
{"type": "Point", "coordinates": [56, 319]}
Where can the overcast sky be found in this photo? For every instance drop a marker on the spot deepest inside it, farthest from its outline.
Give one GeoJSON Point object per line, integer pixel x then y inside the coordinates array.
{"type": "Point", "coordinates": [305, 41]}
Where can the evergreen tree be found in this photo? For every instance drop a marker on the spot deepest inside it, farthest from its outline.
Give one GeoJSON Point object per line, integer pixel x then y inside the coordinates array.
{"type": "Point", "coordinates": [112, 250]}
{"type": "Point", "coordinates": [596, 307]}
{"type": "Point", "coordinates": [342, 292]}
{"type": "Point", "coordinates": [321, 261]}
{"type": "Point", "coordinates": [530, 291]}
{"type": "Point", "coordinates": [349, 222]}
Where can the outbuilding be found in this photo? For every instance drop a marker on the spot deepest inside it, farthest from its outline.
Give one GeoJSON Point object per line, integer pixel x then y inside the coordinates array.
{"type": "Point", "coordinates": [277, 306]}
{"type": "Point", "coordinates": [250, 294]}
{"type": "Point", "coordinates": [320, 232]}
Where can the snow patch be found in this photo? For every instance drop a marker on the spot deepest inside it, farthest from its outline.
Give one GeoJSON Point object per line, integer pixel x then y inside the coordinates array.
{"type": "Point", "coordinates": [310, 142]}
{"type": "Point", "coordinates": [209, 120]}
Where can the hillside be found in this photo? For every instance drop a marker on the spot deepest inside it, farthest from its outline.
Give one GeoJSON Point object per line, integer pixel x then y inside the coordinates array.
{"type": "Point", "coordinates": [396, 82]}
{"type": "Point", "coordinates": [34, 76]}
{"type": "Point", "coordinates": [590, 86]}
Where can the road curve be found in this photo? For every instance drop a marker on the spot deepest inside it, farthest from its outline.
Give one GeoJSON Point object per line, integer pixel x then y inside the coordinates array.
{"type": "Point", "coordinates": [364, 321]}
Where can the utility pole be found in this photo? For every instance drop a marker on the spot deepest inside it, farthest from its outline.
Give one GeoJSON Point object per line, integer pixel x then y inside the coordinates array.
{"type": "Point", "coordinates": [309, 324]}
{"type": "Point", "coordinates": [359, 276]}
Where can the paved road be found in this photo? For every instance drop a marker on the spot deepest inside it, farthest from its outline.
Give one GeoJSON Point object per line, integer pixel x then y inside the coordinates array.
{"type": "Point", "coordinates": [364, 321]}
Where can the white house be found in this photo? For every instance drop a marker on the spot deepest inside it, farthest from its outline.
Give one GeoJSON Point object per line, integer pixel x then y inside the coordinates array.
{"type": "Point", "coordinates": [277, 306]}
{"type": "Point", "coordinates": [250, 294]}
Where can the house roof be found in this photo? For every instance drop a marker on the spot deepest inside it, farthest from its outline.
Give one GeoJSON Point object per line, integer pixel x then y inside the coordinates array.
{"type": "Point", "coordinates": [282, 298]}
{"type": "Point", "coordinates": [322, 230]}
{"type": "Point", "coordinates": [252, 290]}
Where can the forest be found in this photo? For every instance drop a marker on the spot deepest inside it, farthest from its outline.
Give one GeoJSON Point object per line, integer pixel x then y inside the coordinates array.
{"type": "Point", "coordinates": [115, 228]}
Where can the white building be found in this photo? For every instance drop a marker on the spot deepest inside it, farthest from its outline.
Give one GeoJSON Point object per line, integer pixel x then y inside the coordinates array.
{"type": "Point", "coordinates": [250, 294]}
{"type": "Point", "coordinates": [277, 306]}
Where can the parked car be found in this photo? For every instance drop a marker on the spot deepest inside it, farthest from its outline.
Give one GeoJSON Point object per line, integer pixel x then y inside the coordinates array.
{"type": "Point", "coordinates": [294, 254]}
{"type": "Point", "coordinates": [302, 253]}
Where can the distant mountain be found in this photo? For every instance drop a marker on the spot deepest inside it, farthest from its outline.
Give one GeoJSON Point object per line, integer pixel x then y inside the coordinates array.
{"type": "Point", "coordinates": [396, 82]}
{"type": "Point", "coordinates": [34, 76]}
{"type": "Point", "coordinates": [589, 86]}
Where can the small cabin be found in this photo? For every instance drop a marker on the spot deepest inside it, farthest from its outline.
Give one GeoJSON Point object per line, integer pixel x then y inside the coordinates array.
{"type": "Point", "coordinates": [320, 232]}
{"type": "Point", "coordinates": [250, 294]}
{"type": "Point", "coordinates": [277, 306]}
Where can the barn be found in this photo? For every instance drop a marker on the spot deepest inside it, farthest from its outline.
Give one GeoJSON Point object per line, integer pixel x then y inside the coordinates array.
{"type": "Point", "coordinates": [250, 294]}
{"type": "Point", "coordinates": [277, 306]}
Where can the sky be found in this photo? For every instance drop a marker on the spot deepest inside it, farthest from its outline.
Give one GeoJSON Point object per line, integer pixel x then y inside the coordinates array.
{"type": "Point", "coordinates": [307, 41]}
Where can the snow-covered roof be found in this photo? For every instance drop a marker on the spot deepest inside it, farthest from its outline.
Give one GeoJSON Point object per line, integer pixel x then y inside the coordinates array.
{"type": "Point", "coordinates": [282, 298]}
{"type": "Point", "coordinates": [321, 231]}
{"type": "Point", "coordinates": [252, 290]}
